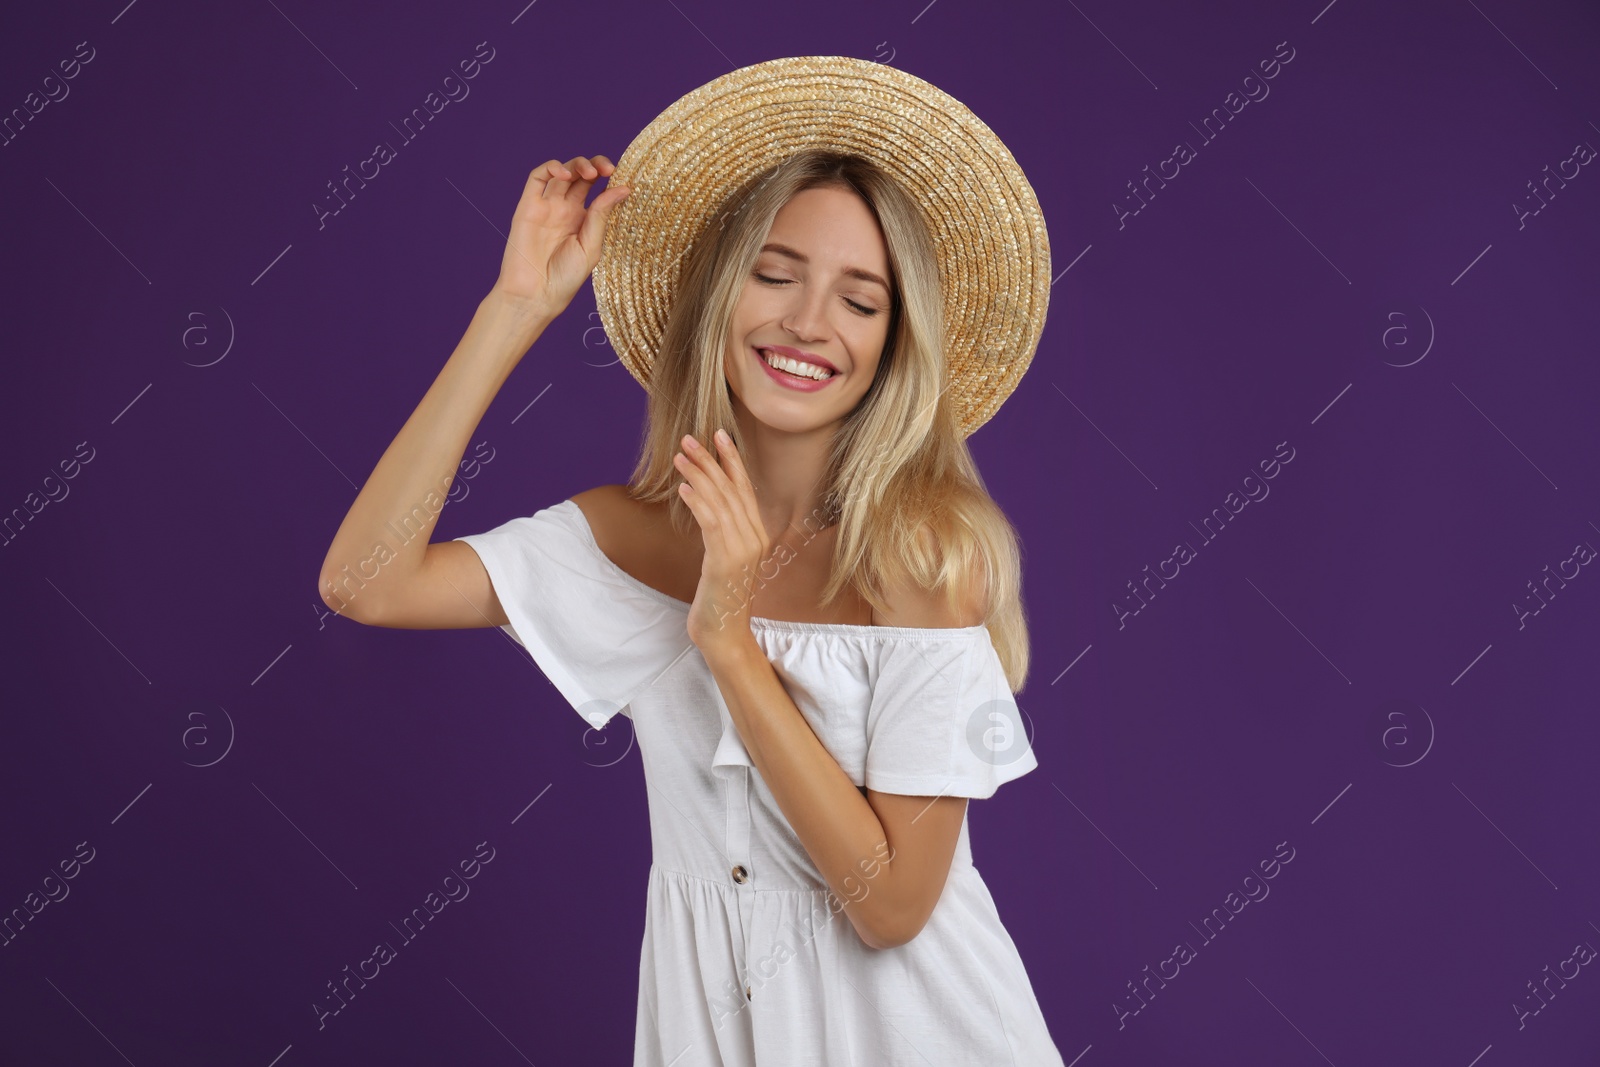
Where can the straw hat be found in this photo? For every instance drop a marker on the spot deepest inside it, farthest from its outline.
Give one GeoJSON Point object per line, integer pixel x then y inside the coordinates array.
{"type": "Point", "coordinates": [988, 233]}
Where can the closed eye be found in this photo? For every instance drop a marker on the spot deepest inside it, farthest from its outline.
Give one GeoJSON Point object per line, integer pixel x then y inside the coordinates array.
{"type": "Point", "coordinates": [863, 309]}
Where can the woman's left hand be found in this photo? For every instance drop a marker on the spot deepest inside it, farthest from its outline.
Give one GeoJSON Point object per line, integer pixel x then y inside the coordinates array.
{"type": "Point", "coordinates": [719, 494]}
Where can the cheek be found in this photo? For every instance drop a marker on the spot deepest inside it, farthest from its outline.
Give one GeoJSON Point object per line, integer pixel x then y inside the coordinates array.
{"type": "Point", "coordinates": [749, 317]}
{"type": "Point", "coordinates": [868, 348]}
{"type": "Point", "coordinates": [754, 306]}
{"type": "Point", "coordinates": [860, 381]}
{"type": "Point", "coordinates": [736, 367]}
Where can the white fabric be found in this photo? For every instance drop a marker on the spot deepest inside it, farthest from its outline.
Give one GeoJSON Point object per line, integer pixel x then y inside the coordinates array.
{"type": "Point", "coordinates": [902, 710]}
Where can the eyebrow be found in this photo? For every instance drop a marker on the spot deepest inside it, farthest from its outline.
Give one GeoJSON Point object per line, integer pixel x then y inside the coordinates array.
{"type": "Point", "coordinates": [853, 272]}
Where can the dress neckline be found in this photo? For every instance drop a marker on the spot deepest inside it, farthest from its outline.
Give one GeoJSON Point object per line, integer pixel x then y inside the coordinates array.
{"type": "Point", "coordinates": [761, 622]}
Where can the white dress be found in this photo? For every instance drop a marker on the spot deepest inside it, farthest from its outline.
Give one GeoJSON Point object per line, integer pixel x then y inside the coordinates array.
{"type": "Point", "coordinates": [744, 962]}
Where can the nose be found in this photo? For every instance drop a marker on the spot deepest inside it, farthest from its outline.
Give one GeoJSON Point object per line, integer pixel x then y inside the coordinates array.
{"type": "Point", "coordinates": [807, 317]}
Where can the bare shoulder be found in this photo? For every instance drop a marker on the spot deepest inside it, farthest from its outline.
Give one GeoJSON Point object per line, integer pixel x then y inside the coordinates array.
{"type": "Point", "coordinates": [608, 509]}
{"type": "Point", "coordinates": [639, 539]}
{"type": "Point", "coordinates": [912, 605]}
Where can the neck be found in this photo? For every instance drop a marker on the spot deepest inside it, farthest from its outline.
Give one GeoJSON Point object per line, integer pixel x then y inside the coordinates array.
{"type": "Point", "coordinates": [786, 469]}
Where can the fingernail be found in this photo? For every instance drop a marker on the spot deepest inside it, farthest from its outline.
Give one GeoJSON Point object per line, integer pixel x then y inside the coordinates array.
{"type": "Point", "coordinates": [722, 436]}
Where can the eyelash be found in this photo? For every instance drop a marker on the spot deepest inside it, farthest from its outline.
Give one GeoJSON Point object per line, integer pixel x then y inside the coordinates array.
{"type": "Point", "coordinates": [785, 281]}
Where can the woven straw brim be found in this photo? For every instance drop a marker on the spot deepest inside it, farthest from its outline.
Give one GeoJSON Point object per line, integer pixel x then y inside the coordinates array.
{"type": "Point", "coordinates": [983, 217]}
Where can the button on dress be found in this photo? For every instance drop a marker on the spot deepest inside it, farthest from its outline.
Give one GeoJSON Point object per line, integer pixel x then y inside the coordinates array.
{"type": "Point", "coordinates": [746, 958]}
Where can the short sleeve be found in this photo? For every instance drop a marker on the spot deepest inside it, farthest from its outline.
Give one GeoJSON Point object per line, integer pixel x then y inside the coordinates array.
{"type": "Point", "coordinates": [942, 720]}
{"type": "Point", "coordinates": [597, 633]}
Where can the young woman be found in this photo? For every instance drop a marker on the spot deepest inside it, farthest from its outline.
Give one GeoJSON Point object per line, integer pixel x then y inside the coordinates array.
{"type": "Point", "coordinates": [804, 599]}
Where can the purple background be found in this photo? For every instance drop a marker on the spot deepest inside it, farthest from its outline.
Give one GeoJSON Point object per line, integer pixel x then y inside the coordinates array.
{"type": "Point", "coordinates": [1361, 617]}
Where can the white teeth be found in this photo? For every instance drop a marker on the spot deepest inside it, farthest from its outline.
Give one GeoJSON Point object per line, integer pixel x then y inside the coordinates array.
{"type": "Point", "coordinates": [794, 366]}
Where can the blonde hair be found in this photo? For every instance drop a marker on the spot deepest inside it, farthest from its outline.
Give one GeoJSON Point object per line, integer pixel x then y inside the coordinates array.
{"type": "Point", "coordinates": [900, 481]}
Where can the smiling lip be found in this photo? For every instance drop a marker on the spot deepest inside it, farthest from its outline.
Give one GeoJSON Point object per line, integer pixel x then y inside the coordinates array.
{"type": "Point", "coordinates": [803, 357]}
{"type": "Point", "coordinates": [790, 381]}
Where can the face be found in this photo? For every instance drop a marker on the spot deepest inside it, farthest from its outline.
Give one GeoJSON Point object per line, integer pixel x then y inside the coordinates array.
{"type": "Point", "coordinates": [818, 293]}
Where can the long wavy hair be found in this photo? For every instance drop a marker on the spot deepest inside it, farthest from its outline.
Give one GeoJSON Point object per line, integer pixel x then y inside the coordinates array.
{"type": "Point", "coordinates": [900, 482]}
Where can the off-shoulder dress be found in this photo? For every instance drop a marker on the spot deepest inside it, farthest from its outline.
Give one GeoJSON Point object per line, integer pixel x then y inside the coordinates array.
{"type": "Point", "coordinates": [744, 962]}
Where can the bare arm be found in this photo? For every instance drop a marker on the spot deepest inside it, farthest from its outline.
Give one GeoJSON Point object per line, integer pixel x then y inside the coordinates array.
{"type": "Point", "coordinates": [381, 568]}
{"type": "Point", "coordinates": [886, 856]}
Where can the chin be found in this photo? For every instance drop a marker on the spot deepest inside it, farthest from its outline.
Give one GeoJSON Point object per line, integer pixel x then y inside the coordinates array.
{"type": "Point", "coordinates": [789, 421]}
{"type": "Point", "coordinates": [784, 417]}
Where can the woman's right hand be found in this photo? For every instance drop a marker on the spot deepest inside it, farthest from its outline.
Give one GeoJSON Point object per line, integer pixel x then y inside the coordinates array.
{"type": "Point", "coordinates": [555, 239]}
